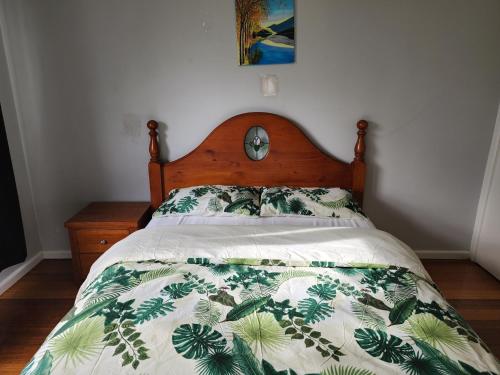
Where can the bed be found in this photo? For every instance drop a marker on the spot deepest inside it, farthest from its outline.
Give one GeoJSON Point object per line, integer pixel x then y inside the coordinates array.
{"type": "Point", "coordinates": [271, 295]}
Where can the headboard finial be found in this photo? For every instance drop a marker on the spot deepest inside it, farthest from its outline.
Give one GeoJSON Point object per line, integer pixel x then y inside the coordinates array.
{"type": "Point", "coordinates": [154, 149]}
{"type": "Point", "coordinates": [359, 148]}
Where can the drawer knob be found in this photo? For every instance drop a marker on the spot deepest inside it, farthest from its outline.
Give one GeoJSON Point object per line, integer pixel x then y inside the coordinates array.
{"type": "Point", "coordinates": [103, 242]}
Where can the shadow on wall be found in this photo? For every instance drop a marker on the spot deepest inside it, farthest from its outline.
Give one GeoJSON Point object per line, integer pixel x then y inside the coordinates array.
{"type": "Point", "coordinates": [162, 140]}
{"type": "Point", "coordinates": [387, 215]}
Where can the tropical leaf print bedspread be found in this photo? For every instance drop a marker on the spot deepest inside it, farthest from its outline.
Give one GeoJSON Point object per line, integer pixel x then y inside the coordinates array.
{"type": "Point", "coordinates": [203, 300]}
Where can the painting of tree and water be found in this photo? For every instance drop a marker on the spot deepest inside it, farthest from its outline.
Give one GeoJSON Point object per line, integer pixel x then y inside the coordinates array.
{"type": "Point", "coordinates": [265, 31]}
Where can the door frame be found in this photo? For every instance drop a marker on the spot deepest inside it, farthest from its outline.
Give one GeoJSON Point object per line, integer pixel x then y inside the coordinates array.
{"type": "Point", "coordinates": [489, 174]}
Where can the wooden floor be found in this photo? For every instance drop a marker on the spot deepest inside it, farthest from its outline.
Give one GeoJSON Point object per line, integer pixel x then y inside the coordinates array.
{"type": "Point", "coordinates": [31, 308]}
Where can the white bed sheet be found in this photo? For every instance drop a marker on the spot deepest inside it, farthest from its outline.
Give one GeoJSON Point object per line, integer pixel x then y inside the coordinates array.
{"type": "Point", "coordinates": [356, 222]}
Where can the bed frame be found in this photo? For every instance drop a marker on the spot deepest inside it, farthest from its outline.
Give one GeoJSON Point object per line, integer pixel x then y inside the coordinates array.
{"type": "Point", "coordinates": [293, 160]}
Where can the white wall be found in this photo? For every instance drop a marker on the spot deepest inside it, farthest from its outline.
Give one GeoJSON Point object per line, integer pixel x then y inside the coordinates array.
{"type": "Point", "coordinates": [18, 159]}
{"type": "Point", "coordinates": [90, 73]}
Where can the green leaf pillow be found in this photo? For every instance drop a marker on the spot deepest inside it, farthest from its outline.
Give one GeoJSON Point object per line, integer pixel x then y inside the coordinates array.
{"type": "Point", "coordinates": [318, 202]}
{"type": "Point", "coordinates": [211, 200]}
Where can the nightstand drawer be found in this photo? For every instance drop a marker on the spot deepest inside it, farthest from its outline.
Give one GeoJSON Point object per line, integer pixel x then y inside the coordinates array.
{"type": "Point", "coordinates": [98, 240]}
{"type": "Point", "coordinates": [86, 261]}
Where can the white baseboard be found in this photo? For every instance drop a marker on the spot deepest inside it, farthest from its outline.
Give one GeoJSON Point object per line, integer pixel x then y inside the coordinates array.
{"type": "Point", "coordinates": [443, 254]}
{"type": "Point", "coordinates": [21, 270]}
{"type": "Point", "coordinates": [57, 254]}
{"type": "Point", "coordinates": [422, 254]}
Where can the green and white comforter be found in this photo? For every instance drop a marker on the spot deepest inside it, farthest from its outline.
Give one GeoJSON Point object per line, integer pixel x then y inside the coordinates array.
{"type": "Point", "coordinates": [261, 300]}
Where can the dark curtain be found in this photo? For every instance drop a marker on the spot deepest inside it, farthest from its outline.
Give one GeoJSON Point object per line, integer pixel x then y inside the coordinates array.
{"type": "Point", "coordinates": [12, 242]}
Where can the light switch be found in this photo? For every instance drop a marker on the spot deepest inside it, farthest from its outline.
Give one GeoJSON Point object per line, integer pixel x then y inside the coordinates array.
{"type": "Point", "coordinates": [269, 85]}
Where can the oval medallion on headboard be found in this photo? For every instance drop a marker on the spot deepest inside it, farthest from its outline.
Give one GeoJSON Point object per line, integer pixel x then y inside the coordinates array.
{"type": "Point", "coordinates": [256, 143]}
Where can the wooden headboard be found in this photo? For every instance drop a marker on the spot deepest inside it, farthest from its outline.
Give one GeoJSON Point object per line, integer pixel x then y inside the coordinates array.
{"type": "Point", "coordinates": [292, 160]}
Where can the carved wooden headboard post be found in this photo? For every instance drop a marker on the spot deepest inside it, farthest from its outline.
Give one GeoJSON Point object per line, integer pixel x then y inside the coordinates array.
{"type": "Point", "coordinates": [154, 166]}
{"type": "Point", "coordinates": [358, 164]}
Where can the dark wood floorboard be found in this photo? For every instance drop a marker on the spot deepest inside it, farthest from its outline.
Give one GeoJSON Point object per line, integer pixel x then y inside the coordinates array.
{"type": "Point", "coordinates": [31, 308]}
{"type": "Point", "coordinates": [474, 293]}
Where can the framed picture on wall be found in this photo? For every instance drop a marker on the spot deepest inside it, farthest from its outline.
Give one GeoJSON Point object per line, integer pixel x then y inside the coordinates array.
{"type": "Point", "coordinates": [265, 31]}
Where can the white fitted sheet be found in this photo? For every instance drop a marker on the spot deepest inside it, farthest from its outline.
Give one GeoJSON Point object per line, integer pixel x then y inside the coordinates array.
{"type": "Point", "coordinates": [356, 222]}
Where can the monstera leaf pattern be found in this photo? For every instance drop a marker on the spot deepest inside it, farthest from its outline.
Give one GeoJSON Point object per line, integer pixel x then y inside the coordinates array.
{"type": "Point", "coordinates": [318, 202]}
{"type": "Point", "coordinates": [211, 200]}
{"type": "Point", "coordinates": [379, 344]}
{"type": "Point", "coordinates": [261, 316]}
{"type": "Point", "coordinates": [194, 341]}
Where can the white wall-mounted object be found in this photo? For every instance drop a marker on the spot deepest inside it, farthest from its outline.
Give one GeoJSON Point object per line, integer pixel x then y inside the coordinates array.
{"type": "Point", "coordinates": [269, 85]}
{"type": "Point", "coordinates": [485, 244]}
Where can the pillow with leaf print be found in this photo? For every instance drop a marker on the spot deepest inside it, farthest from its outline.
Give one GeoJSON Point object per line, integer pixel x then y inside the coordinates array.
{"type": "Point", "coordinates": [211, 200]}
{"type": "Point", "coordinates": [317, 202]}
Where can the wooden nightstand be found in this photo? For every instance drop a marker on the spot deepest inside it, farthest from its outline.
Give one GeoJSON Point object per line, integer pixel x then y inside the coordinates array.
{"type": "Point", "coordinates": [98, 226]}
